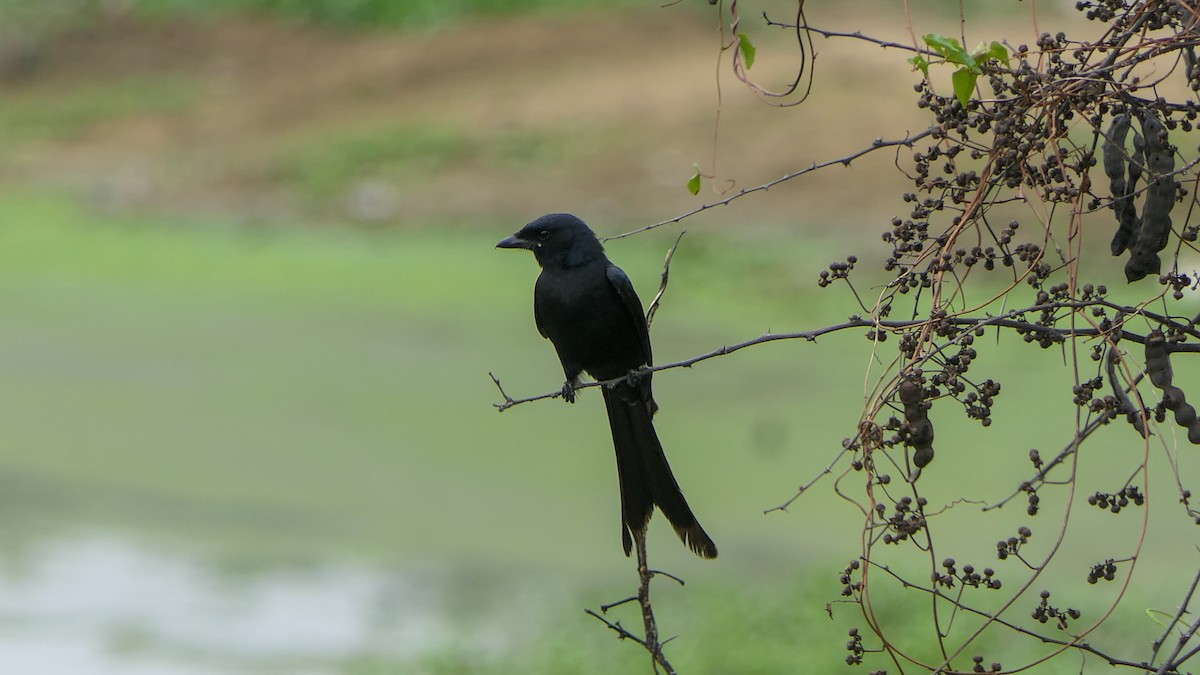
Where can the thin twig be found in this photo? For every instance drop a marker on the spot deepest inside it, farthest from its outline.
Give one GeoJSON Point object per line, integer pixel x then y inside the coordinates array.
{"type": "Point", "coordinates": [662, 286]}
{"type": "Point", "coordinates": [650, 642]}
{"type": "Point", "coordinates": [994, 618]}
{"type": "Point", "coordinates": [857, 35]}
{"type": "Point", "coordinates": [616, 626]}
{"type": "Point", "coordinates": [803, 488]}
{"type": "Point", "coordinates": [1069, 449]}
{"type": "Point", "coordinates": [878, 144]}
{"type": "Point", "coordinates": [651, 626]}
{"type": "Point", "coordinates": [1183, 605]}
{"type": "Point", "coordinates": [1172, 663]}
{"type": "Point", "coordinates": [605, 607]}
{"type": "Point", "coordinates": [510, 401]}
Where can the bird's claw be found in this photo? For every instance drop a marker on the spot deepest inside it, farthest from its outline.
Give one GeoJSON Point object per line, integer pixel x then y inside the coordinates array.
{"type": "Point", "coordinates": [635, 377]}
{"type": "Point", "coordinates": [568, 391]}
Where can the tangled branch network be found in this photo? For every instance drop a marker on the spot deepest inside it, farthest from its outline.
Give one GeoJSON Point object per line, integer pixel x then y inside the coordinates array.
{"type": "Point", "coordinates": [1034, 153]}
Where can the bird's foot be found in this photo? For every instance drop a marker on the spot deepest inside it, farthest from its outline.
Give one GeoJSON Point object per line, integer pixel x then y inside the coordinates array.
{"type": "Point", "coordinates": [635, 377]}
{"type": "Point", "coordinates": [568, 390]}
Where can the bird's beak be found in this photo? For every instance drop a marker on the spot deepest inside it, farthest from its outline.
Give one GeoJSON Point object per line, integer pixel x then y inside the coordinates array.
{"type": "Point", "coordinates": [513, 242]}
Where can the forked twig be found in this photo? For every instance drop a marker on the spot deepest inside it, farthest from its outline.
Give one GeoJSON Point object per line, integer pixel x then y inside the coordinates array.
{"type": "Point", "coordinates": [650, 642]}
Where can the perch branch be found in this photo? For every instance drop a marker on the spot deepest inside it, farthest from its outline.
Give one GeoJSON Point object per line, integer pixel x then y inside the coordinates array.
{"type": "Point", "coordinates": [1009, 320]}
{"type": "Point", "coordinates": [650, 642]}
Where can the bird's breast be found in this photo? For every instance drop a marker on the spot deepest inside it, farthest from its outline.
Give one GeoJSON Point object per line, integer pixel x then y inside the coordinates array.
{"type": "Point", "coordinates": [589, 324]}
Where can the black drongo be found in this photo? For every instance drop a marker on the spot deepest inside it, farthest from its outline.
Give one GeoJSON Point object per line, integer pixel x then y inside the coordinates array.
{"type": "Point", "coordinates": [588, 309]}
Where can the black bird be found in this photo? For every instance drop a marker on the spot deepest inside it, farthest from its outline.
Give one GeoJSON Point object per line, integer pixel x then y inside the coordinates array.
{"type": "Point", "coordinates": [588, 309]}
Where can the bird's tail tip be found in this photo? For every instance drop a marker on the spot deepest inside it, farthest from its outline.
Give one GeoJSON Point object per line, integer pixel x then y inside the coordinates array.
{"type": "Point", "coordinates": [698, 540]}
{"type": "Point", "coordinates": [694, 537]}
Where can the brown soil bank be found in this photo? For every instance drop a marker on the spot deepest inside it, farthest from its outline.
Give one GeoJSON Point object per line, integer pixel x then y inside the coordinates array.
{"type": "Point", "coordinates": [601, 114]}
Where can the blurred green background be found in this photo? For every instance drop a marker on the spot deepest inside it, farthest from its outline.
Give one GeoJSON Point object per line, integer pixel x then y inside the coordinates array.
{"type": "Point", "coordinates": [250, 303]}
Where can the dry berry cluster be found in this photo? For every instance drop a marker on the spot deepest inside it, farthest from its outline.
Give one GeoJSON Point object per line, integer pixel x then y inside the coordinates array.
{"type": "Point", "coordinates": [1058, 144]}
{"type": "Point", "coordinates": [968, 576]}
{"type": "Point", "coordinates": [1037, 151]}
{"type": "Point", "coordinates": [1106, 570]}
{"type": "Point", "coordinates": [1044, 612]}
{"type": "Point", "coordinates": [1114, 502]}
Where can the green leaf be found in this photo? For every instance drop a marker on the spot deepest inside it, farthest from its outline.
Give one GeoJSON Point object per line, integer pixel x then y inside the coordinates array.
{"type": "Point", "coordinates": [747, 50]}
{"type": "Point", "coordinates": [693, 184]}
{"type": "Point", "coordinates": [964, 84]}
{"type": "Point", "coordinates": [920, 62]}
{"type": "Point", "coordinates": [993, 51]}
{"type": "Point", "coordinates": [950, 49]}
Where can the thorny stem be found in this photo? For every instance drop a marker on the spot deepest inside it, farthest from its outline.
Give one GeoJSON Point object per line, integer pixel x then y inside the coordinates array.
{"type": "Point", "coordinates": [1173, 661]}
{"type": "Point", "coordinates": [643, 596]}
{"type": "Point", "coordinates": [1183, 605]}
{"type": "Point", "coordinates": [857, 322]}
{"type": "Point", "coordinates": [878, 144]}
{"type": "Point", "coordinates": [650, 642]}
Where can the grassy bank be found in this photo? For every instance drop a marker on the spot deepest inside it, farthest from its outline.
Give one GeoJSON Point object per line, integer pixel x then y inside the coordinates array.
{"type": "Point", "coordinates": [305, 387]}
{"type": "Point", "coordinates": [357, 14]}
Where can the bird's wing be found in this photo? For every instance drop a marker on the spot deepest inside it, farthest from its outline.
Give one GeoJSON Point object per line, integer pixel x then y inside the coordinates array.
{"type": "Point", "coordinates": [537, 318]}
{"type": "Point", "coordinates": [538, 310]}
{"type": "Point", "coordinates": [624, 288]}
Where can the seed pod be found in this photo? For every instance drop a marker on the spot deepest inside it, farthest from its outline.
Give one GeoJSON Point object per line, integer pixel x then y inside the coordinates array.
{"type": "Point", "coordinates": [1136, 162]}
{"type": "Point", "coordinates": [1114, 152]}
{"type": "Point", "coordinates": [1122, 189]}
{"type": "Point", "coordinates": [1160, 198]}
{"type": "Point", "coordinates": [920, 435]}
{"type": "Point", "coordinates": [1158, 368]}
{"type": "Point", "coordinates": [1158, 362]}
{"type": "Point", "coordinates": [1124, 404]}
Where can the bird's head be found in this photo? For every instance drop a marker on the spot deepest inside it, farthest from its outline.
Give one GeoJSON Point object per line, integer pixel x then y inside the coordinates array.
{"type": "Point", "coordinates": [557, 240]}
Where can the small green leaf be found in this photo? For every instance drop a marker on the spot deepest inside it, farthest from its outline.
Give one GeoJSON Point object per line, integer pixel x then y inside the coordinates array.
{"type": "Point", "coordinates": [949, 48]}
{"type": "Point", "coordinates": [693, 184]}
{"type": "Point", "coordinates": [747, 49]}
{"type": "Point", "coordinates": [993, 51]}
{"type": "Point", "coordinates": [920, 62]}
{"type": "Point", "coordinates": [964, 84]}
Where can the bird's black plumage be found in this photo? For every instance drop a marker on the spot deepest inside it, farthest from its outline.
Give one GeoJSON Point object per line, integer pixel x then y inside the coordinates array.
{"type": "Point", "coordinates": [588, 309]}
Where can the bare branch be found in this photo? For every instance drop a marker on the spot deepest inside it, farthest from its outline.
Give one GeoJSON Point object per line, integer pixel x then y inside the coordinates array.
{"type": "Point", "coordinates": [804, 488]}
{"type": "Point", "coordinates": [510, 401]}
{"type": "Point", "coordinates": [1072, 644]}
{"type": "Point", "coordinates": [878, 144]}
{"type": "Point", "coordinates": [857, 35]}
{"type": "Point", "coordinates": [1007, 321]}
{"type": "Point", "coordinates": [1183, 606]}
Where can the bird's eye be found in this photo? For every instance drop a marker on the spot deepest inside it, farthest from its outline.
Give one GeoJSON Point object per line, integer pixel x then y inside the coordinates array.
{"type": "Point", "coordinates": [544, 235]}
